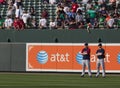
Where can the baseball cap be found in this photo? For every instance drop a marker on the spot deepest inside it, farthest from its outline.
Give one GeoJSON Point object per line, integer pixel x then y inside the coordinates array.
{"type": "Point", "coordinates": [99, 44]}
{"type": "Point", "coordinates": [86, 44]}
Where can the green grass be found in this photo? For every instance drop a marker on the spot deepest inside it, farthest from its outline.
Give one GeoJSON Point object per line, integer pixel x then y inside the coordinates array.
{"type": "Point", "coordinates": [45, 80]}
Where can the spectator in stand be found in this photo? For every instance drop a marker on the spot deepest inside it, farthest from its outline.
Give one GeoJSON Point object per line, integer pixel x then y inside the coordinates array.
{"type": "Point", "coordinates": [18, 24]}
{"type": "Point", "coordinates": [11, 5]}
{"type": "Point", "coordinates": [85, 1]}
{"type": "Point", "coordinates": [52, 2]}
{"type": "Point", "coordinates": [18, 12]}
{"type": "Point", "coordinates": [2, 22]}
{"type": "Point", "coordinates": [61, 16]}
{"type": "Point", "coordinates": [32, 11]}
{"type": "Point", "coordinates": [92, 16]}
{"type": "Point", "coordinates": [2, 2]}
{"type": "Point", "coordinates": [25, 17]}
{"type": "Point", "coordinates": [109, 21]}
{"type": "Point", "coordinates": [102, 3]}
{"type": "Point", "coordinates": [34, 23]}
{"type": "Point", "coordinates": [22, 24]}
{"type": "Point", "coordinates": [59, 23]}
{"type": "Point", "coordinates": [101, 22]}
{"type": "Point", "coordinates": [19, 3]}
{"type": "Point", "coordinates": [116, 19]}
{"type": "Point", "coordinates": [59, 7]}
{"type": "Point", "coordinates": [72, 24]}
{"type": "Point", "coordinates": [80, 8]}
{"type": "Point", "coordinates": [66, 22]}
{"type": "Point", "coordinates": [70, 14]}
{"type": "Point", "coordinates": [96, 6]}
{"type": "Point", "coordinates": [79, 20]}
{"type": "Point", "coordinates": [9, 2]}
{"type": "Point", "coordinates": [66, 8]}
{"type": "Point", "coordinates": [112, 4]}
{"type": "Point", "coordinates": [15, 5]}
{"type": "Point", "coordinates": [10, 12]}
{"type": "Point", "coordinates": [74, 8]}
{"type": "Point", "coordinates": [117, 3]}
{"type": "Point", "coordinates": [52, 24]}
{"type": "Point", "coordinates": [103, 13]}
{"type": "Point", "coordinates": [44, 13]}
{"type": "Point", "coordinates": [43, 23]}
{"type": "Point", "coordinates": [8, 22]}
{"type": "Point", "coordinates": [88, 5]}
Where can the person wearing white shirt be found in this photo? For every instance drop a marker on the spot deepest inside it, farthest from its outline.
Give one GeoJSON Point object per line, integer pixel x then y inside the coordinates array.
{"type": "Point", "coordinates": [18, 12]}
{"type": "Point", "coordinates": [15, 5]}
{"type": "Point", "coordinates": [52, 24]}
{"type": "Point", "coordinates": [25, 17]}
{"type": "Point", "coordinates": [52, 1]}
{"type": "Point", "coordinates": [8, 22]}
{"type": "Point", "coordinates": [43, 23]}
{"type": "Point", "coordinates": [117, 3]}
{"type": "Point", "coordinates": [10, 11]}
{"type": "Point", "coordinates": [79, 8]}
{"type": "Point", "coordinates": [110, 22]}
{"type": "Point", "coordinates": [85, 1]}
{"type": "Point", "coordinates": [66, 9]}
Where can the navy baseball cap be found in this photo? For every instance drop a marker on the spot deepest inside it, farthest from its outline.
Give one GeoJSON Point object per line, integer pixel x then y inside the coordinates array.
{"type": "Point", "coordinates": [100, 44]}
{"type": "Point", "coordinates": [86, 44]}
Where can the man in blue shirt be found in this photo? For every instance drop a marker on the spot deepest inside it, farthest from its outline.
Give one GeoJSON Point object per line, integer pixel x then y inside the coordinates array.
{"type": "Point", "coordinates": [86, 60]}
{"type": "Point", "coordinates": [100, 53]}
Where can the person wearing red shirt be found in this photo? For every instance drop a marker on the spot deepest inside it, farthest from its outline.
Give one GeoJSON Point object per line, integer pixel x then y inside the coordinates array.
{"type": "Point", "coordinates": [16, 24]}
{"type": "Point", "coordinates": [2, 2]}
{"type": "Point", "coordinates": [44, 13]}
{"type": "Point", "coordinates": [21, 24]}
{"type": "Point", "coordinates": [74, 7]}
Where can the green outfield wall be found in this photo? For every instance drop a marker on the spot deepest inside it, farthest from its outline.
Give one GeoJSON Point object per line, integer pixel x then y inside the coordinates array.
{"type": "Point", "coordinates": [13, 42]}
{"type": "Point", "coordinates": [62, 36]}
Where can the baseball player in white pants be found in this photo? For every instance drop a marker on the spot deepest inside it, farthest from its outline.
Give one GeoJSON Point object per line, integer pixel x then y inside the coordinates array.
{"type": "Point", "coordinates": [84, 64]}
{"type": "Point", "coordinates": [100, 53]}
{"type": "Point", "coordinates": [86, 60]}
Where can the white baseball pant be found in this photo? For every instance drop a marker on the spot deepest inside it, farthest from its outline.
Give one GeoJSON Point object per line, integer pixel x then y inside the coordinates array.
{"type": "Point", "coordinates": [100, 62]}
{"type": "Point", "coordinates": [84, 64]}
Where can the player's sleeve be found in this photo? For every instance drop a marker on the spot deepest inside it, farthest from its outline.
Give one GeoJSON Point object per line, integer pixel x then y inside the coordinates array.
{"type": "Point", "coordinates": [82, 51]}
{"type": "Point", "coordinates": [96, 51]}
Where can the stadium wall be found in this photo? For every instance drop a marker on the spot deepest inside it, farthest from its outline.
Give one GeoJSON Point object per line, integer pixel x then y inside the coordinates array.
{"type": "Point", "coordinates": [62, 36]}
{"type": "Point", "coordinates": [12, 57]}
{"type": "Point", "coordinates": [13, 43]}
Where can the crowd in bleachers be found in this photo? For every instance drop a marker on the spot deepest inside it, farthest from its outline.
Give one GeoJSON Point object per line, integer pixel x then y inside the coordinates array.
{"type": "Point", "coordinates": [69, 14]}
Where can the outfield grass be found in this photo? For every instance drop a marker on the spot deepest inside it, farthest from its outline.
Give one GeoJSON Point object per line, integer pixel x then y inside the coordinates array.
{"type": "Point", "coordinates": [48, 80]}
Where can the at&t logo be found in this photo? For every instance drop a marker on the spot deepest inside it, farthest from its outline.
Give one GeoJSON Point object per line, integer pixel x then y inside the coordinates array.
{"type": "Point", "coordinates": [79, 58]}
{"type": "Point", "coordinates": [42, 57]}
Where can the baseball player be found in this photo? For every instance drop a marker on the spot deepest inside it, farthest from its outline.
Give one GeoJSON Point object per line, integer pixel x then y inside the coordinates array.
{"type": "Point", "coordinates": [86, 60]}
{"type": "Point", "coordinates": [100, 53]}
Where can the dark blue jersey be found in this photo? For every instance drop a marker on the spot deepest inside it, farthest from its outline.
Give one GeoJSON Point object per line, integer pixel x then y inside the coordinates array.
{"type": "Point", "coordinates": [102, 51]}
{"type": "Point", "coordinates": [87, 56]}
